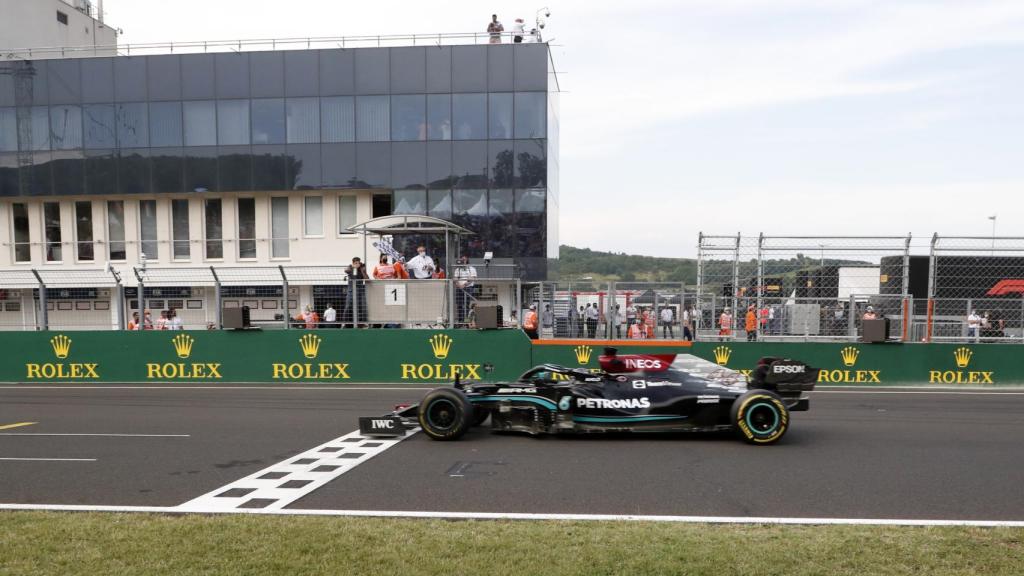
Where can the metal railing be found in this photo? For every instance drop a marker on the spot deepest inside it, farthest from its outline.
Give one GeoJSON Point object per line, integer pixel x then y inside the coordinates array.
{"type": "Point", "coordinates": [272, 297]}
{"type": "Point", "coordinates": [260, 44]}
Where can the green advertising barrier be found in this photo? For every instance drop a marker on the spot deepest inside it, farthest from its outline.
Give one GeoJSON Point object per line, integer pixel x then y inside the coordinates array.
{"type": "Point", "coordinates": [323, 356]}
{"type": "Point", "coordinates": [432, 356]}
{"type": "Point", "coordinates": [850, 363]}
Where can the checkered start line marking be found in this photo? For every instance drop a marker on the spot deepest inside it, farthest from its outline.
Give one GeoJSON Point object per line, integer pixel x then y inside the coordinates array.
{"type": "Point", "coordinates": [275, 487]}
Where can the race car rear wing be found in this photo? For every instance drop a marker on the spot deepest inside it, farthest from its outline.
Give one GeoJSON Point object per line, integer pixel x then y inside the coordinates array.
{"type": "Point", "coordinates": [784, 375]}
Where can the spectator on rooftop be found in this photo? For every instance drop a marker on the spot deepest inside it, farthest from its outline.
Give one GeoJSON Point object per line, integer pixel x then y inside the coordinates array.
{"type": "Point", "coordinates": [518, 29]}
{"type": "Point", "coordinates": [495, 29]}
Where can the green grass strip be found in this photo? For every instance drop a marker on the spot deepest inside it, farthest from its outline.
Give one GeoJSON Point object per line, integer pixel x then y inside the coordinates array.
{"type": "Point", "coordinates": [153, 544]}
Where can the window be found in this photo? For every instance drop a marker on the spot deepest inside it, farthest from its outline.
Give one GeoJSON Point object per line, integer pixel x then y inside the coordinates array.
{"type": "Point", "coordinates": [439, 204]}
{"type": "Point", "coordinates": [22, 245]}
{"type": "Point", "coordinates": [372, 119]}
{"type": "Point", "coordinates": [232, 122]}
{"type": "Point", "coordinates": [40, 128]}
{"type": "Point", "coordinates": [100, 126]}
{"type": "Point", "coordinates": [279, 227]}
{"type": "Point", "coordinates": [246, 228]}
{"type": "Point", "coordinates": [8, 130]}
{"type": "Point", "coordinates": [346, 214]}
{"type": "Point", "coordinates": [500, 116]}
{"type": "Point", "coordinates": [51, 230]}
{"type": "Point", "coordinates": [410, 201]}
{"type": "Point", "coordinates": [62, 18]}
{"type": "Point", "coordinates": [83, 229]}
{"type": "Point", "coordinates": [214, 229]}
{"type": "Point", "coordinates": [439, 117]}
{"type": "Point", "coordinates": [302, 120]}
{"type": "Point", "coordinates": [469, 112]}
{"type": "Point", "coordinates": [531, 115]}
{"type": "Point", "coordinates": [337, 119]}
{"type": "Point", "coordinates": [66, 127]}
{"type": "Point", "coordinates": [179, 229]}
{"type": "Point", "coordinates": [200, 123]}
{"type": "Point", "coordinates": [115, 229]}
{"type": "Point", "coordinates": [147, 230]}
{"type": "Point", "coordinates": [408, 118]}
{"type": "Point", "coordinates": [268, 121]}
{"type": "Point", "coordinates": [132, 126]}
{"type": "Point", "coordinates": [314, 214]}
{"type": "Point", "coordinates": [165, 124]}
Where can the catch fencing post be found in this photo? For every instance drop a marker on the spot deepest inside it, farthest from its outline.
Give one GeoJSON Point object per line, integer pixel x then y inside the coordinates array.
{"type": "Point", "coordinates": [44, 317]}
{"type": "Point", "coordinates": [851, 318]}
{"type": "Point", "coordinates": [140, 300]}
{"type": "Point", "coordinates": [931, 288]}
{"type": "Point", "coordinates": [119, 298]}
{"type": "Point", "coordinates": [735, 287]}
{"type": "Point", "coordinates": [284, 298]}
{"type": "Point", "coordinates": [760, 285]}
{"type": "Point", "coordinates": [217, 312]}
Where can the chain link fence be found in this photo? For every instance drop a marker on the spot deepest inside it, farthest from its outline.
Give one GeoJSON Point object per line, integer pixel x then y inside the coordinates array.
{"type": "Point", "coordinates": [824, 287]}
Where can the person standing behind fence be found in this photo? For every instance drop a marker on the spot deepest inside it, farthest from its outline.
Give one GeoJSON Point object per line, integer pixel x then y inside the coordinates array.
{"type": "Point", "coordinates": [615, 321]}
{"type": "Point", "coordinates": [973, 325]}
{"type": "Point", "coordinates": [751, 324]}
{"type": "Point", "coordinates": [495, 29]}
{"type": "Point", "coordinates": [762, 317]}
{"type": "Point", "coordinates": [667, 319]}
{"type": "Point", "coordinates": [384, 270]}
{"type": "Point", "coordinates": [330, 317]}
{"type": "Point", "coordinates": [636, 331]}
{"type": "Point", "coordinates": [530, 322]}
{"type": "Point", "coordinates": [725, 324]}
{"type": "Point", "coordinates": [547, 319]}
{"type": "Point", "coordinates": [421, 267]}
{"type": "Point", "coordinates": [355, 296]}
{"type": "Point", "coordinates": [593, 314]}
{"type": "Point", "coordinates": [580, 325]}
{"type": "Point", "coordinates": [688, 323]}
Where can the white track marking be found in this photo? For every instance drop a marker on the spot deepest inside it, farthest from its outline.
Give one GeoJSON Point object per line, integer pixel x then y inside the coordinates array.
{"type": "Point", "coordinates": [521, 516]}
{"type": "Point", "coordinates": [279, 485]}
{"type": "Point", "coordinates": [48, 459]}
{"type": "Point", "coordinates": [103, 435]}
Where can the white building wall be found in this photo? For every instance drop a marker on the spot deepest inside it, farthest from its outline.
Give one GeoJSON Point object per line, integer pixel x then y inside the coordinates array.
{"type": "Point", "coordinates": [34, 24]}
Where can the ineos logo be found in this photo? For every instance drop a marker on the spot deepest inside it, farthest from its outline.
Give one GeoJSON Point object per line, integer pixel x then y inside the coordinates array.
{"type": "Point", "coordinates": [789, 369]}
{"type": "Point", "coordinates": [642, 363]}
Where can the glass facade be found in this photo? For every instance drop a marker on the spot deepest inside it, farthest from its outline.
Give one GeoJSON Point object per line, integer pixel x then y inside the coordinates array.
{"type": "Point", "coordinates": [431, 126]}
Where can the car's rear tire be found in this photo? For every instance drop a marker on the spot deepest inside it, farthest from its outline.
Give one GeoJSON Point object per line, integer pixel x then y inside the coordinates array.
{"type": "Point", "coordinates": [445, 414]}
{"type": "Point", "coordinates": [760, 417]}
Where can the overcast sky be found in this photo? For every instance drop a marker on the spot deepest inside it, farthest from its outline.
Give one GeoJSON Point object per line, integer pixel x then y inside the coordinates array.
{"type": "Point", "coordinates": [785, 116]}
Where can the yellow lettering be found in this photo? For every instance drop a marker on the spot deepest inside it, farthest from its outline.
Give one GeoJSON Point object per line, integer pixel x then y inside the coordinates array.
{"type": "Point", "coordinates": [32, 371]}
{"type": "Point", "coordinates": [341, 371]}
{"type": "Point", "coordinates": [408, 371]}
{"type": "Point", "coordinates": [934, 376]}
{"type": "Point", "coordinates": [278, 371]}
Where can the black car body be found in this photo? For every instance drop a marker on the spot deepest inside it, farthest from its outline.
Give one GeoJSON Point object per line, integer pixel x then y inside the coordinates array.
{"type": "Point", "coordinates": [630, 393]}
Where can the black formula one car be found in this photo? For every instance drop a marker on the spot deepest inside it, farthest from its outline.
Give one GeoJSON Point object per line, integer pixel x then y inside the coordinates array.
{"type": "Point", "coordinates": [629, 393]}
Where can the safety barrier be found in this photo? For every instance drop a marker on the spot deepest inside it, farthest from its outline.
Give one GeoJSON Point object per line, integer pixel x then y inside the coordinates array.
{"type": "Point", "coordinates": [432, 356]}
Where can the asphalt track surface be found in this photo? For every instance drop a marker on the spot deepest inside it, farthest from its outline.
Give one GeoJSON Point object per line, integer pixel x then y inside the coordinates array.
{"type": "Point", "coordinates": [856, 454]}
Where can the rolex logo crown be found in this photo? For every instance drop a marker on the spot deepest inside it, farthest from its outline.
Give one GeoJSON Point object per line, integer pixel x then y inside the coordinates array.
{"type": "Point", "coordinates": [583, 353]}
{"type": "Point", "coordinates": [310, 345]}
{"type": "Point", "coordinates": [441, 344]}
{"type": "Point", "coordinates": [849, 354]}
{"type": "Point", "coordinates": [962, 356]}
{"type": "Point", "coordinates": [722, 354]}
{"type": "Point", "coordinates": [61, 346]}
{"type": "Point", "coordinates": [183, 345]}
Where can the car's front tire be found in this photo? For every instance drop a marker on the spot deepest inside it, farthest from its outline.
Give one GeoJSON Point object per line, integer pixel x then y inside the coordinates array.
{"type": "Point", "coordinates": [446, 414]}
{"type": "Point", "coordinates": [760, 417]}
